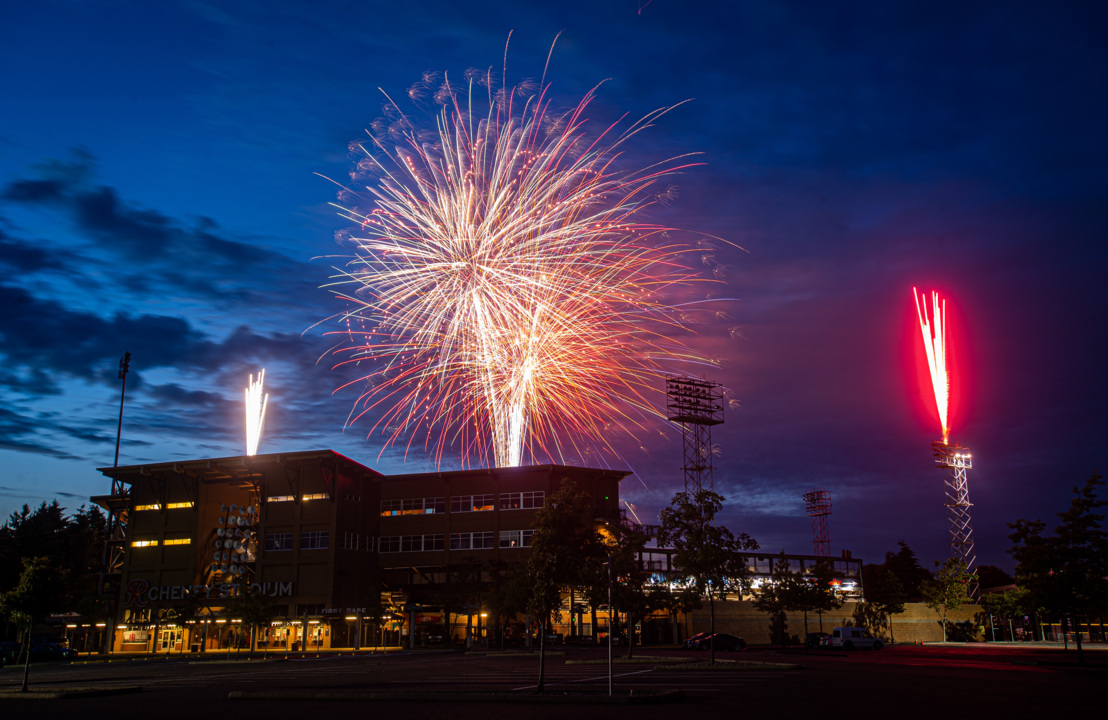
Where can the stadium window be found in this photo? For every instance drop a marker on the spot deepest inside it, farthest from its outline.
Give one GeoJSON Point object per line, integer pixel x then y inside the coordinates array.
{"type": "Point", "coordinates": [278, 541]}
{"type": "Point", "coordinates": [314, 540]}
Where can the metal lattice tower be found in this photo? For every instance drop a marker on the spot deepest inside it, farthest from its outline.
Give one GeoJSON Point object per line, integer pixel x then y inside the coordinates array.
{"type": "Point", "coordinates": [818, 505]}
{"type": "Point", "coordinates": [957, 459]}
{"type": "Point", "coordinates": [696, 405]}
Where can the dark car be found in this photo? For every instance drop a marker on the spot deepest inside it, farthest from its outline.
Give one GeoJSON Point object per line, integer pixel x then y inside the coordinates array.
{"type": "Point", "coordinates": [51, 651]}
{"type": "Point", "coordinates": [9, 653]}
{"type": "Point", "coordinates": [818, 639]}
{"type": "Point", "coordinates": [721, 641]}
{"type": "Point", "coordinates": [690, 643]}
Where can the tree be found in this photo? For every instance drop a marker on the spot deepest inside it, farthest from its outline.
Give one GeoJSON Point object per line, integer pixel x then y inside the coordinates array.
{"type": "Point", "coordinates": [907, 569]}
{"type": "Point", "coordinates": [948, 589]}
{"type": "Point", "coordinates": [886, 594]}
{"type": "Point", "coordinates": [708, 554]}
{"type": "Point", "coordinates": [1065, 573]}
{"type": "Point", "coordinates": [630, 594]}
{"type": "Point", "coordinates": [1006, 604]}
{"type": "Point", "coordinates": [253, 608]}
{"type": "Point", "coordinates": [815, 592]}
{"type": "Point", "coordinates": [461, 592]}
{"type": "Point", "coordinates": [565, 551]}
{"type": "Point", "coordinates": [776, 597]}
{"type": "Point", "coordinates": [40, 591]}
{"type": "Point", "coordinates": [990, 576]}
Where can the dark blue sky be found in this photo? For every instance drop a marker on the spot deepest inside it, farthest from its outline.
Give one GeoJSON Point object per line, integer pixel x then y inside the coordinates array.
{"type": "Point", "coordinates": [159, 194]}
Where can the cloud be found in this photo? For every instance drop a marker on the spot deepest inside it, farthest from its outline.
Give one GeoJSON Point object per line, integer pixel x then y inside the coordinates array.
{"type": "Point", "coordinates": [145, 252]}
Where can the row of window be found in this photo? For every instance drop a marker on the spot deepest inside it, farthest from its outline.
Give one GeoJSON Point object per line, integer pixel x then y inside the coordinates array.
{"type": "Point", "coordinates": [309, 540]}
{"type": "Point", "coordinates": [154, 543]}
{"type": "Point", "coordinates": [169, 506]}
{"type": "Point", "coordinates": [463, 503]}
{"type": "Point", "coordinates": [292, 498]}
{"type": "Point", "coordinates": [413, 506]}
{"type": "Point", "coordinates": [458, 541]}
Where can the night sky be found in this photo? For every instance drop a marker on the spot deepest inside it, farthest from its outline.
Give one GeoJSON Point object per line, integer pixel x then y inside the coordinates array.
{"type": "Point", "coordinates": [161, 193]}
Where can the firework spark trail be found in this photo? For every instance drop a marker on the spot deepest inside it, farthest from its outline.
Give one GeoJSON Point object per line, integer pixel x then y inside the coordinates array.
{"type": "Point", "coordinates": [255, 412]}
{"type": "Point", "coordinates": [502, 278]}
{"type": "Point", "coordinates": [934, 342]}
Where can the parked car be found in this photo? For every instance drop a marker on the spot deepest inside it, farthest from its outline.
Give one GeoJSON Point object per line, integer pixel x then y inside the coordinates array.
{"type": "Point", "coordinates": [51, 651]}
{"type": "Point", "coordinates": [849, 638]}
{"type": "Point", "coordinates": [818, 639]}
{"type": "Point", "coordinates": [721, 641]}
{"type": "Point", "coordinates": [690, 643]}
{"type": "Point", "coordinates": [9, 653]}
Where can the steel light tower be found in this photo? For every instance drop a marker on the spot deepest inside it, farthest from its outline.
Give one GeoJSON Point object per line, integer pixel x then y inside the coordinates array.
{"type": "Point", "coordinates": [696, 405]}
{"type": "Point", "coordinates": [818, 505]}
{"type": "Point", "coordinates": [955, 460]}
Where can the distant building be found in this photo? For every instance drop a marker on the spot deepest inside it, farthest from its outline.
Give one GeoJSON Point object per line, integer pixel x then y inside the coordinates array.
{"type": "Point", "coordinates": [349, 557]}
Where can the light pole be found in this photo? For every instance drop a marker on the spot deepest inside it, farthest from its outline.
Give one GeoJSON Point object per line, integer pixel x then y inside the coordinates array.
{"type": "Point", "coordinates": [124, 367]}
{"type": "Point", "coordinates": [610, 674]}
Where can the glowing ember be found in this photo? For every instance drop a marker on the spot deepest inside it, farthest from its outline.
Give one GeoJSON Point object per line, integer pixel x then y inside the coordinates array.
{"type": "Point", "coordinates": [934, 342]}
{"type": "Point", "coordinates": [507, 294]}
{"type": "Point", "coordinates": [255, 412]}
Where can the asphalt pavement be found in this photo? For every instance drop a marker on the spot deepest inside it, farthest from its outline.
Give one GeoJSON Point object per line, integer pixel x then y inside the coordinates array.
{"type": "Point", "coordinates": [905, 681]}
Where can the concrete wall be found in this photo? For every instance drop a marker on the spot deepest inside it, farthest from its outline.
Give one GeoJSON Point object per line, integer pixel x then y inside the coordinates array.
{"type": "Point", "coordinates": [917, 623]}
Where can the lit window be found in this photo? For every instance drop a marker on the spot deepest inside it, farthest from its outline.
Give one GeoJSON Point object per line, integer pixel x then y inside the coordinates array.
{"type": "Point", "coordinates": [515, 538]}
{"type": "Point", "coordinates": [178, 541]}
{"type": "Point", "coordinates": [179, 505]}
{"type": "Point", "coordinates": [155, 506]}
{"type": "Point", "coordinates": [144, 543]}
{"type": "Point", "coordinates": [280, 498]}
{"type": "Point", "coordinates": [314, 496]}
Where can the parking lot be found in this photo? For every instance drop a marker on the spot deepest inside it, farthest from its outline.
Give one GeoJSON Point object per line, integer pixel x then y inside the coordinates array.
{"type": "Point", "coordinates": [907, 681]}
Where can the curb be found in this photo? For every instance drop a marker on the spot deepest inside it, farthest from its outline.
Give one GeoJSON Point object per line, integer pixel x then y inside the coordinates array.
{"type": "Point", "coordinates": [637, 660]}
{"type": "Point", "coordinates": [730, 666]}
{"type": "Point", "coordinates": [63, 694]}
{"type": "Point", "coordinates": [503, 698]}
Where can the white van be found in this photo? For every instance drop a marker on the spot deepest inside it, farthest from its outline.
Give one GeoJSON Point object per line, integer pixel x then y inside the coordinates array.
{"type": "Point", "coordinates": [849, 638]}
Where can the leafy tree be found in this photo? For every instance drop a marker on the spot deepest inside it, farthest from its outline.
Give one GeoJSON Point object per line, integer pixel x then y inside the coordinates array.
{"type": "Point", "coordinates": [705, 552]}
{"type": "Point", "coordinates": [815, 592]}
{"type": "Point", "coordinates": [1007, 604]}
{"type": "Point", "coordinates": [507, 593]}
{"type": "Point", "coordinates": [180, 612]}
{"type": "Point", "coordinates": [886, 594]}
{"type": "Point", "coordinates": [630, 593]}
{"type": "Point", "coordinates": [40, 591]}
{"type": "Point", "coordinates": [990, 576]}
{"type": "Point", "coordinates": [72, 545]}
{"type": "Point", "coordinates": [253, 608]}
{"type": "Point", "coordinates": [948, 589]}
{"type": "Point", "coordinates": [461, 593]}
{"type": "Point", "coordinates": [1065, 573]}
{"type": "Point", "coordinates": [566, 551]}
{"type": "Point", "coordinates": [782, 593]}
{"type": "Point", "coordinates": [907, 569]}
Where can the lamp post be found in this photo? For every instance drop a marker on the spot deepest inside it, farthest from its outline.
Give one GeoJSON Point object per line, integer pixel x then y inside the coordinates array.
{"type": "Point", "coordinates": [610, 666]}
